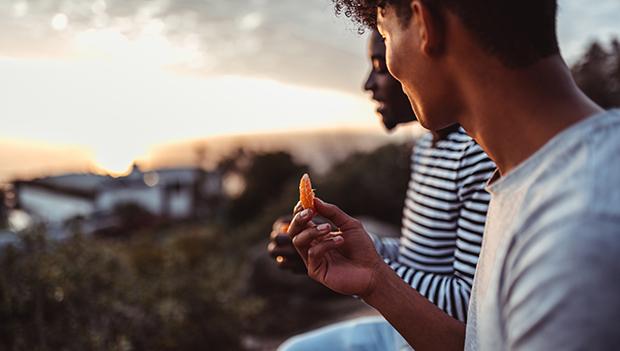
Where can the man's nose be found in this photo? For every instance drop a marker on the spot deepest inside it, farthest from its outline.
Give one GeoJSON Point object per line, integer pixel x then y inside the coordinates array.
{"type": "Point", "coordinates": [370, 84]}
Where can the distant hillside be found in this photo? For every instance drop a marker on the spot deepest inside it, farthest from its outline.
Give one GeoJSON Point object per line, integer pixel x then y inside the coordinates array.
{"type": "Point", "coordinates": [19, 160]}
{"type": "Point", "coordinates": [319, 149]}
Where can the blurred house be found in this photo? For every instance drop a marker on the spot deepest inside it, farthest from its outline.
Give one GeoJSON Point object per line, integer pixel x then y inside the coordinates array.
{"type": "Point", "coordinates": [57, 199]}
{"type": "Point", "coordinates": [98, 202]}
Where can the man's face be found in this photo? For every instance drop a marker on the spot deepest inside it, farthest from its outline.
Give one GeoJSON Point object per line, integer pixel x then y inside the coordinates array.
{"type": "Point", "coordinates": [425, 77]}
{"type": "Point", "coordinates": [393, 104]}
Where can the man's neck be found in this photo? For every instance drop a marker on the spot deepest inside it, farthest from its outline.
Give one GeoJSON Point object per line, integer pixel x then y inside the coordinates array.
{"type": "Point", "coordinates": [513, 113]}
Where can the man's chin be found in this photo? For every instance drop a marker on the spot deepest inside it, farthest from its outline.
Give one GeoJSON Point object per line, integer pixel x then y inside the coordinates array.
{"type": "Point", "coordinates": [433, 126]}
{"type": "Point", "coordinates": [388, 124]}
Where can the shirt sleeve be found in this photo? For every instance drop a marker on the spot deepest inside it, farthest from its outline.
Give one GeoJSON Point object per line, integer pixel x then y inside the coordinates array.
{"type": "Point", "coordinates": [448, 291]}
{"type": "Point", "coordinates": [386, 247]}
{"type": "Point", "coordinates": [474, 172]}
{"type": "Point", "coordinates": [562, 286]}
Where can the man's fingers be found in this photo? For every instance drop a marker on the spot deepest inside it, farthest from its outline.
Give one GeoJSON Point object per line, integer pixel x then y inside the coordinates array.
{"type": "Point", "coordinates": [306, 237]}
{"type": "Point", "coordinates": [281, 239]}
{"type": "Point", "coordinates": [316, 253]}
{"type": "Point", "coordinates": [298, 208]}
{"type": "Point", "coordinates": [329, 236]}
{"type": "Point", "coordinates": [334, 214]}
{"type": "Point", "coordinates": [300, 222]}
{"type": "Point", "coordinates": [275, 251]}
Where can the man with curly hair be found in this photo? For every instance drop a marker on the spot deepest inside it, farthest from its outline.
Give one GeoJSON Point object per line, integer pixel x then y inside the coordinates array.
{"type": "Point", "coordinates": [546, 278]}
{"type": "Point", "coordinates": [442, 223]}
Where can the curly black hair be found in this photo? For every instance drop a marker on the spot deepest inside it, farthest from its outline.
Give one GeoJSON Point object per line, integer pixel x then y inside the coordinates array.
{"type": "Point", "coordinates": [364, 12]}
{"type": "Point", "coordinates": [518, 32]}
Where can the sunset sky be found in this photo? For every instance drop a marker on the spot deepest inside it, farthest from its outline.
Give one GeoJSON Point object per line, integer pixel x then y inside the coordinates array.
{"type": "Point", "coordinates": [109, 80]}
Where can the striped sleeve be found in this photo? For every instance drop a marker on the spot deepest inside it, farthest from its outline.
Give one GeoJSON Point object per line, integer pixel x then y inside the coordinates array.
{"type": "Point", "coordinates": [386, 247]}
{"type": "Point", "coordinates": [474, 172]}
{"type": "Point", "coordinates": [447, 291]}
{"type": "Point", "coordinates": [443, 221]}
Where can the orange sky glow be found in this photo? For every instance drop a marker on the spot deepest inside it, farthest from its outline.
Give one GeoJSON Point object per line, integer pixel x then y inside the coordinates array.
{"type": "Point", "coordinates": [95, 86]}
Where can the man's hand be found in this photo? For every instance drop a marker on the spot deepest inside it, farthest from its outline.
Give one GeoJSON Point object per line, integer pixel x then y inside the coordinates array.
{"type": "Point", "coordinates": [344, 260]}
{"type": "Point", "coordinates": [281, 248]}
{"type": "Point", "coordinates": [347, 262]}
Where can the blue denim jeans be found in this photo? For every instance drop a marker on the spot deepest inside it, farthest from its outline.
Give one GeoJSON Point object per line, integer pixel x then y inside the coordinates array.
{"type": "Point", "coordinates": [362, 334]}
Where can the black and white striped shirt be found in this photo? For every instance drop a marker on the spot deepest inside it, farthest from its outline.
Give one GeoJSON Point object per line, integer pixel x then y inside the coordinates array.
{"type": "Point", "coordinates": [443, 221]}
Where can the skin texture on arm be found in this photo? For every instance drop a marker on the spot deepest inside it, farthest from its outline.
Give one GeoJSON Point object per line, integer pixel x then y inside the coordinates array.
{"type": "Point", "coordinates": [421, 323]}
{"type": "Point", "coordinates": [346, 261]}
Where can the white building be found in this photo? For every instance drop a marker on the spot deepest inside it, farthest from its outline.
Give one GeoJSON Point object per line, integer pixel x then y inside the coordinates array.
{"type": "Point", "coordinates": [168, 194]}
{"type": "Point", "coordinates": [58, 199]}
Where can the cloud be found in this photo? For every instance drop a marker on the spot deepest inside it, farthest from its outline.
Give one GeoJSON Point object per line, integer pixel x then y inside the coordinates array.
{"type": "Point", "coordinates": [298, 42]}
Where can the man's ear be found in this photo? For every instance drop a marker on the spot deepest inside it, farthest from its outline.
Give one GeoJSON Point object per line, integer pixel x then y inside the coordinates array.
{"type": "Point", "coordinates": [429, 27]}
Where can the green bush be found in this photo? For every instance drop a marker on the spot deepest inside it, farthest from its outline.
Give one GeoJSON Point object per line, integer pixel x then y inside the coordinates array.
{"type": "Point", "coordinates": [145, 294]}
{"type": "Point", "coordinates": [186, 286]}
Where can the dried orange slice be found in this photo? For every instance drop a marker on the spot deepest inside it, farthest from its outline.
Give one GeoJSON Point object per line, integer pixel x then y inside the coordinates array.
{"type": "Point", "coordinates": [306, 193]}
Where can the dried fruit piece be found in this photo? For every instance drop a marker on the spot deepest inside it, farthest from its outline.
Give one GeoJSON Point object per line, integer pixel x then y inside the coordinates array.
{"type": "Point", "coordinates": [306, 193]}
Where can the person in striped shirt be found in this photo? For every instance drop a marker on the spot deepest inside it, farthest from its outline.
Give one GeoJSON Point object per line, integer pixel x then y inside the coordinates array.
{"type": "Point", "coordinates": [442, 224]}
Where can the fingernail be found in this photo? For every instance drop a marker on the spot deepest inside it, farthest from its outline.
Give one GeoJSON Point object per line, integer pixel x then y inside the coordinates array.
{"type": "Point", "coordinates": [338, 239]}
{"type": "Point", "coordinates": [306, 213]}
{"type": "Point", "coordinates": [323, 227]}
